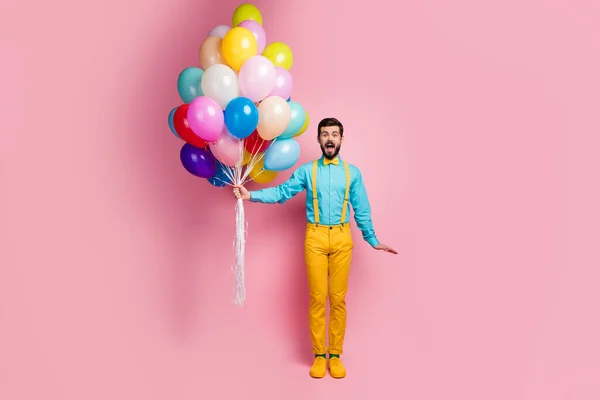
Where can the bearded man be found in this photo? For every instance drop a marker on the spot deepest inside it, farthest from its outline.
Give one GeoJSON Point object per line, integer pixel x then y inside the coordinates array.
{"type": "Point", "coordinates": [332, 186]}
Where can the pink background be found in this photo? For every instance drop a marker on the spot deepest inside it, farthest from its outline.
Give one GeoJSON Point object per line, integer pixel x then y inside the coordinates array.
{"type": "Point", "coordinates": [480, 118]}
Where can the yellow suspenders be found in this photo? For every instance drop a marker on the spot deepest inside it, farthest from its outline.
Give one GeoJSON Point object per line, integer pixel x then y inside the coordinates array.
{"type": "Point", "coordinates": [314, 192]}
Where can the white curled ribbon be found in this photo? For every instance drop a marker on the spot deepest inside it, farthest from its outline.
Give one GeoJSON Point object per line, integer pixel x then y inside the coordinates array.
{"type": "Point", "coordinates": [239, 175]}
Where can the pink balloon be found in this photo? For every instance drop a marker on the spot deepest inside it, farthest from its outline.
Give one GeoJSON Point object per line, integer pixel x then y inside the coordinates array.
{"type": "Point", "coordinates": [206, 119]}
{"type": "Point", "coordinates": [228, 149]}
{"type": "Point", "coordinates": [258, 31]}
{"type": "Point", "coordinates": [284, 83]}
{"type": "Point", "coordinates": [257, 78]}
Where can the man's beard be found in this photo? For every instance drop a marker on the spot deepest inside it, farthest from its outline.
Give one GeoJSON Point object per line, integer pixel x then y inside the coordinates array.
{"type": "Point", "coordinates": [330, 154]}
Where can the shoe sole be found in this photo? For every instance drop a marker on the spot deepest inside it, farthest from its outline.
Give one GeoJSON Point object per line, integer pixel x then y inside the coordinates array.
{"type": "Point", "coordinates": [337, 376]}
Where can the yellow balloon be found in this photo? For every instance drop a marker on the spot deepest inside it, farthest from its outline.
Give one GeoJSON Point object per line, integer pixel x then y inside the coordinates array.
{"type": "Point", "coordinates": [260, 175]}
{"type": "Point", "coordinates": [245, 12]}
{"type": "Point", "coordinates": [304, 127]}
{"type": "Point", "coordinates": [280, 54]}
{"type": "Point", "coordinates": [239, 44]}
{"type": "Point", "coordinates": [246, 157]}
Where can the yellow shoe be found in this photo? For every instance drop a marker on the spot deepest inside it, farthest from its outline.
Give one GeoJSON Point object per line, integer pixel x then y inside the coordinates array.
{"type": "Point", "coordinates": [319, 367]}
{"type": "Point", "coordinates": [336, 368]}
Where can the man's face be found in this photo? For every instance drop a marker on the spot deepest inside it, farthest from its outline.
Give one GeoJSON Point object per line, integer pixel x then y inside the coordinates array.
{"type": "Point", "coordinates": [330, 141]}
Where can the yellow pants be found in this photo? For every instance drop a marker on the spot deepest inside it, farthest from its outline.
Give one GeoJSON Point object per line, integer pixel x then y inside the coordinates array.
{"type": "Point", "coordinates": [328, 254]}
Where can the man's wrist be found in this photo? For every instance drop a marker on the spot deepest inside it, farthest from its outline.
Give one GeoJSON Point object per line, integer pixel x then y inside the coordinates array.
{"type": "Point", "coordinates": [373, 241]}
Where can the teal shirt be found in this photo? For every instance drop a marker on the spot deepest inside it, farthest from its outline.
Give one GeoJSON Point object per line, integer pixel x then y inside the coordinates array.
{"type": "Point", "coordinates": [331, 187]}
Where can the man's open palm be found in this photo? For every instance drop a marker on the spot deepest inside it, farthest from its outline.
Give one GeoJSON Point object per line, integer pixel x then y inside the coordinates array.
{"type": "Point", "coordinates": [386, 248]}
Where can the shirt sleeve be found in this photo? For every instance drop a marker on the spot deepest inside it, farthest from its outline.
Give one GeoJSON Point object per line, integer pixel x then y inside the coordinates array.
{"type": "Point", "coordinates": [362, 209]}
{"type": "Point", "coordinates": [281, 193]}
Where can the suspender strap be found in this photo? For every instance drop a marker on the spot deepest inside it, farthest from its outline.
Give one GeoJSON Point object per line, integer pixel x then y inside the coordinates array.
{"type": "Point", "coordinates": [314, 191]}
{"type": "Point", "coordinates": [346, 195]}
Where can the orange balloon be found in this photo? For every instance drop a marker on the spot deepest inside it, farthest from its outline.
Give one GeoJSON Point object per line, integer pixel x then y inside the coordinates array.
{"type": "Point", "coordinates": [260, 175]}
{"type": "Point", "coordinates": [246, 157]}
{"type": "Point", "coordinates": [211, 52]}
{"type": "Point", "coordinates": [239, 44]}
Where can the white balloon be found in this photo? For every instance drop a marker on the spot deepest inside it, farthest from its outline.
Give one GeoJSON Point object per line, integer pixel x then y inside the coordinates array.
{"type": "Point", "coordinates": [219, 30]}
{"type": "Point", "coordinates": [220, 83]}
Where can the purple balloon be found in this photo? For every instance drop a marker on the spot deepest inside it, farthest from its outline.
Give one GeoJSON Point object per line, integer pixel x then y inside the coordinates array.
{"type": "Point", "coordinates": [258, 31]}
{"type": "Point", "coordinates": [198, 162]}
{"type": "Point", "coordinates": [205, 117]}
{"type": "Point", "coordinates": [283, 83]}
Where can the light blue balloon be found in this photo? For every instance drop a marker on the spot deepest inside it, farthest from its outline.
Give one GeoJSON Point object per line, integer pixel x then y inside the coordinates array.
{"type": "Point", "coordinates": [298, 115]}
{"type": "Point", "coordinates": [188, 84]}
{"type": "Point", "coordinates": [282, 154]}
{"type": "Point", "coordinates": [171, 125]}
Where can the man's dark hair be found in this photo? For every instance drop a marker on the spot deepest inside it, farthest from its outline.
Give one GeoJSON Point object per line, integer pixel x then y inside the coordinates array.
{"type": "Point", "coordinates": [325, 122]}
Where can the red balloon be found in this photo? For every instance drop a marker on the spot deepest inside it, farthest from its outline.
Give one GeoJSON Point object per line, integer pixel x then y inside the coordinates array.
{"type": "Point", "coordinates": [254, 144]}
{"type": "Point", "coordinates": [182, 126]}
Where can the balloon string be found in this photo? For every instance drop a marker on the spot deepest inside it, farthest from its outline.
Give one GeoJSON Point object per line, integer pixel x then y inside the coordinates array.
{"type": "Point", "coordinates": [254, 160]}
{"type": "Point", "coordinates": [238, 175]}
{"type": "Point", "coordinates": [240, 249]}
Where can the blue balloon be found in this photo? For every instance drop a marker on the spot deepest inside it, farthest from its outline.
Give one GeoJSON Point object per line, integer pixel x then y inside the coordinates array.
{"type": "Point", "coordinates": [188, 84]}
{"type": "Point", "coordinates": [241, 117]}
{"type": "Point", "coordinates": [220, 179]}
{"type": "Point", "coordinates": [171, 125]}
{"type": "Point", "coordinates": [288, 100]}
{"type": "Point", "coordinates": [297, 117]}
{"type": "Point", "coordinates": [282, 154]}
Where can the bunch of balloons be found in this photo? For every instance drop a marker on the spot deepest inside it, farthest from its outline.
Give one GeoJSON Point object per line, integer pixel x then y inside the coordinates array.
{"type": "Point", "coordinates": [237, 118]}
